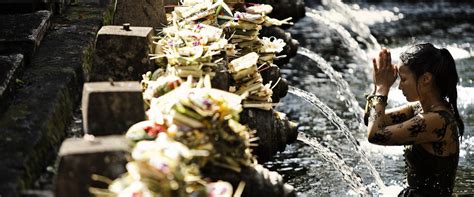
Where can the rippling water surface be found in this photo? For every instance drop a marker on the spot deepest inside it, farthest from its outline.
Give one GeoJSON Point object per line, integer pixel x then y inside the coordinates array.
{"type": "Point", "coordinates": [307, 170]}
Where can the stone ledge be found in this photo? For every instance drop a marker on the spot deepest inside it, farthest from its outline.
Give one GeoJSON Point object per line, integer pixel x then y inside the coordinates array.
{"type": "Point", "coordinates": [34, 124]}
{"type": "Point", "coordinates": [10, 66]}
{"type": "Point", "coordinates": [23, 33]}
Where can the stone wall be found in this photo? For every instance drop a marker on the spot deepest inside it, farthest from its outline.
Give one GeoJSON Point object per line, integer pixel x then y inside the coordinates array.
{"type": "Point", "coordinates": [44, 93]}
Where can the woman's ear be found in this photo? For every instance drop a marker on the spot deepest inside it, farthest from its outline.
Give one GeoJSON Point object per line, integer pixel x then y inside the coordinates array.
{"type": "Point", "coordinates": [427, 78]}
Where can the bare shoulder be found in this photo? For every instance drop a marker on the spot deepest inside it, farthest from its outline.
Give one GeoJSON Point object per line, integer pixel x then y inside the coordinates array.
{"type": "Point", "coordinates": [439, 118]}
{"type": "Point", "coordinates": [442, 127]}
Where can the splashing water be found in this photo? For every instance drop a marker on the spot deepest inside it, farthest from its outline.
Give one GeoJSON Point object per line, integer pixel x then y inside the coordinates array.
{"type": "Point", "coordinates": [336, 77]}
{"type": "Point", "coordinates": [358, 27]}
{"type": "Point", "coordinates": [352, 178]}
{"type": "Point", "coordinates": [346, 36]}
{"type": "Point", "coordinates": [391, 167]}
{"type": "Point", "coordinates": [337, 121]}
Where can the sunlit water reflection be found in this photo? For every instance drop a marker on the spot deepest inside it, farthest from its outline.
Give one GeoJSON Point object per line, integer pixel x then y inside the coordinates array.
{"type": "Point", "coordinates": [308, 171]}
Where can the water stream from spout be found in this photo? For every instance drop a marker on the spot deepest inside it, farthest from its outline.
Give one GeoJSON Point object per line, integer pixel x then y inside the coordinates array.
{"type": "Point", "coordinates": [338, 122]}
{"type": "Point", "coordinates": [358, 27]}
{"type": "Point", "coordinates": [351, 177]}
{"type": "Point", "coordinates": [347, 39]}
{"type": "Point", "coordinates": [336, 77]}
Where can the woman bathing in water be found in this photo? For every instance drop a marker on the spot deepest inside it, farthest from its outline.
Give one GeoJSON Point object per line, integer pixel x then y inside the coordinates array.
{"type": "Point", "coordinates": [429, 124]}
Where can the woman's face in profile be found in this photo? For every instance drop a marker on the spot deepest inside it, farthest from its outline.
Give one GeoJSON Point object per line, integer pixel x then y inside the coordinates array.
{"type": "Point", "coordinates": [407, 83]}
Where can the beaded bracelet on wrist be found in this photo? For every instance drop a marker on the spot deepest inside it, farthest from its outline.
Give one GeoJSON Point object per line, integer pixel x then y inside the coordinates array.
{"type": "Point", "coordinates": [371, 101]}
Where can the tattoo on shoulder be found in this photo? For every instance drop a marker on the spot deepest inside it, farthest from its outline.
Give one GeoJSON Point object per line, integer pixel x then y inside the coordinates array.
{"type": "Point", "coordinates": [438, 147]}
{"type": "Point", "coordinates": [440, 133]}
{"type": "Point", "coordinates": [448, 120]}
{"type": "Point", "coordinates": [418, 126]}
{"type": "Point", "coordinates": [382, 135]}
{"type": "Point", "coordinates": [398, 117]}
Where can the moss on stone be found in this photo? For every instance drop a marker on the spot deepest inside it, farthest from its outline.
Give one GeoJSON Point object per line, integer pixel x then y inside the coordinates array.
{"type": "Point", "coordinates": [35, 123]}
{"type": "Point", "coordinates": [110, 13]}
{"type": "Point", "coordinates": [87, 62]}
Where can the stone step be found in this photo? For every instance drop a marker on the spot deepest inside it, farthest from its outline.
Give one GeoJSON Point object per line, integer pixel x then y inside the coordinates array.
{"type": "Point", "coordinates": [33, 126]}
{"type": "Point", "coordinates": [23, 33]}
{"type": "Point", "coordinates": [10, 66]}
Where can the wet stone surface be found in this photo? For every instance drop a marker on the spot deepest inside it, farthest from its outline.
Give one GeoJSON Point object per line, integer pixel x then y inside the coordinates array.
{"type": "Point", "coordinates": [259, 181]}
{"type": "Point", "coordinates": [23, 33]}
{"type": "Point", "coordinates": [274, 132]}
{"type": "Point", "coordinates": [10, 66]}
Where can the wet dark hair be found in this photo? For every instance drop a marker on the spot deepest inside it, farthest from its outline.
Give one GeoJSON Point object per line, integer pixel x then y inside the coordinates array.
{"type": "Point", "coordinates": [422, 58]}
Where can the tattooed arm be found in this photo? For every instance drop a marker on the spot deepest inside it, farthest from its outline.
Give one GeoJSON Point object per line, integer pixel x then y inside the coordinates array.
{"type": "Point", "coordinates": [377, 122]}
{"type": "Point", "coordinates": [422, 128]}
{"type": "Point", "coordinates": [382, 129]}
{"type": "Point", "coordinates": [402, 113]}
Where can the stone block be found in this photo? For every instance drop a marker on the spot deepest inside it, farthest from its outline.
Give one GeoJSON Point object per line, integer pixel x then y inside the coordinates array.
{"type": "Point", "coordinates": [273, 136]}
{"type": "Point", "coordinates": [80, 159]}
{"type": "Point", "coordinates": [146, 13]}
{"type": "Point", "coordinates": [9, 68]}
{"type": "Point", "coordinates": [259, 181]}
{"type": "Point", "coordinates": [170, 4]}
{"type": "Point", "coordinates": [23, 33]}
{"type": "Point", "coordinates": [111, 108]}
{"type": "Point", "coordinates": [122, 55]}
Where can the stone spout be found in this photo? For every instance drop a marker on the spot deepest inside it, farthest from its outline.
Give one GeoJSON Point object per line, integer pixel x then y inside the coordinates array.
{"type": "Point", "coordinates": [274, 131]}
{"type": "Point", "coordinates": [258, 180]}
